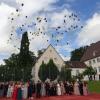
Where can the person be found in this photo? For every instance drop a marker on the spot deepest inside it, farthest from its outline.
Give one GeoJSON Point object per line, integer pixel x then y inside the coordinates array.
{"type": "Point", "coordinates": [19, 93]}
{"type": "Point", "coordinates": [85, 89]}
{"type": "Point", "coordinates": [24, 91]}
{"type": "Point", "coordinates": [15, 91]}
{"type": "Point", "coordinates": [62, 88]}
{"type": "Point", "coordinates": [47, 86]}
{"type": "Point", "coordinates": [76, 88]}
{"type": "Point", "coordinates": [81, 87]}
{"type": "Point", "coordinates": [30, 90]}
{"type": "Point", "coordinates": [38, 89]}
{"type": "Point", "coordinates": [10, 91]}
{"type": "Point", "coordinates": [5, 89]}
{"type": "Point", "coordinates": [1, 89]}
{"type": "Point", "coordinates": [70, 88]}
{"type": "Point", "coordinates": [43, 91]}
{"type": "Point", "coordinates": [58, 89]}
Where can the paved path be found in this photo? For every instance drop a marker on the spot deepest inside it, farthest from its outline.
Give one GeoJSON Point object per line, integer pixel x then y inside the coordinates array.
{"type": "Point", "coordinates": [90, 97]}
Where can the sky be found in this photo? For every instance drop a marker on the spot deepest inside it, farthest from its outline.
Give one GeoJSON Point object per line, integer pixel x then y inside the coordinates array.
{"type": "Point", "coordinates": [87, 11]}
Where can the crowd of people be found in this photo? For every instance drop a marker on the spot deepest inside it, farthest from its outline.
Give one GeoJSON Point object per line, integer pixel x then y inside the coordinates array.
{"type": "Point", "coordinates": [30, 90]}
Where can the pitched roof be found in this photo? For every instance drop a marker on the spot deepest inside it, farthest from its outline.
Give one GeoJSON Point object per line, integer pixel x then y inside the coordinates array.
{"type": "Point", "coordinates": [75, 64]}
{"type": "Point", "coordinates": [46, 50]}
{"type": "Point", "coordinates": [92, 51]}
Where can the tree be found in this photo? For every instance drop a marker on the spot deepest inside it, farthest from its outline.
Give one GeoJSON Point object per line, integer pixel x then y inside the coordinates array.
{"type": "Point", "coordinates": [42, 72]}
{"type": "Point", "coordinates": [79, 76]}
{"type": "Point", "coordinates": [77, 54]}
{"type": "Point", "coordinates": [65, 74]}
{"type": "Point", "coordinates": [89, 72]}
{"type": "Point", "coordinates": [18, 66]}
{"type": "Point", "coordinates": [26, 61]}
{"type": "Point", "coordinates": [52, 70]}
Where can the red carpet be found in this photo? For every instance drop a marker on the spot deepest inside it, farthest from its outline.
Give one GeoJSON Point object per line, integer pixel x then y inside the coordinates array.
{"type": "Point", "coordinates": [90, 97]}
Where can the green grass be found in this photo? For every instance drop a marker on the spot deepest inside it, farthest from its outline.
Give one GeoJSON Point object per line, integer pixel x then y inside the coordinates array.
{"type": "Point", "coordinates": [94, 86]}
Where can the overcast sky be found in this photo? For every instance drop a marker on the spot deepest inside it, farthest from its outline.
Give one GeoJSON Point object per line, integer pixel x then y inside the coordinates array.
{"type": "Point", "coordinates": [88, 11]}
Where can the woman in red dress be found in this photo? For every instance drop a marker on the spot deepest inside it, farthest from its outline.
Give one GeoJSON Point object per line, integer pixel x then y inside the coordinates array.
{"type": "Point", "coordinates": [14, 96]}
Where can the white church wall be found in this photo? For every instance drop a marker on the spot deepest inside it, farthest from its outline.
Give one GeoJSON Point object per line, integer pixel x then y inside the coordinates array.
{"type": "Point", "coordinates": [50, 53]}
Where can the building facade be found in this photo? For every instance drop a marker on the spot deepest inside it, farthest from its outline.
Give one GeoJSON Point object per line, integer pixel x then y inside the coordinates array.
{"type": "Point", "coordinates": [49, 53]}
{"type": "Point", "coordinates": [92, 58]}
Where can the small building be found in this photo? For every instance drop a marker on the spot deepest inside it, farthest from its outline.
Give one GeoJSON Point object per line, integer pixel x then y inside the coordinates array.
{"type": "Point", "coordinates": [76, 67]}
{"type": "Point", "coordinates": [92, 58]}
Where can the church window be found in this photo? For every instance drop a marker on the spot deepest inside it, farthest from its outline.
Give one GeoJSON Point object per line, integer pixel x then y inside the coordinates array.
{"type": "Point", "coordinates": [55, 58]}
{"type": "Point", "coordinates": [50, 50]}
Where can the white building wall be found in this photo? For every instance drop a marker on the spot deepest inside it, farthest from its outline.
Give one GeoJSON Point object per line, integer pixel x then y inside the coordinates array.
{"type": "Point", "coordinates": [76, 71]}
{"type": "Point", "coordinates": [95, 63]}
{"type": "Point", "coordinates": [50, 53]}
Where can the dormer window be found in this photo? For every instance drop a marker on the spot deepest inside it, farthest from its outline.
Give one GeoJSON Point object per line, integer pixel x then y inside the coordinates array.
{"type": "Point", "coordinates": [94, 53]}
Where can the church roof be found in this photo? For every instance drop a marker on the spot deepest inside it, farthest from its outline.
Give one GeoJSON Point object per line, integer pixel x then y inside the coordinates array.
{"type": "Point", "coordinates": [92, 51]}
{"type": "Point", "coordinates": [75, 64]}
{"type": "Point", "coordinates": [47, 49]}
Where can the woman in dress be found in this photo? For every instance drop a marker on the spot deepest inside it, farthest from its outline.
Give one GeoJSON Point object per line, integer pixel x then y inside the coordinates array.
{"type": "Point", "coordinates": [85, 89]}
{"type": "Point", "coordinates": [43, 91]}
{"type": "Point", "coordinates": [15, 91]}
{"type": "Point", "coordinates": [58, 90]}
{"type": "Point", "coordinates": [10, 91]}
{"type": "Point", "coordinates": [25, 91]}
{"type": "Point", "coordinates": [19, 94]}
{"type": "Point", "coordinates": [62, 88]}
{"type": "Point", "coordinates": [76, 88]}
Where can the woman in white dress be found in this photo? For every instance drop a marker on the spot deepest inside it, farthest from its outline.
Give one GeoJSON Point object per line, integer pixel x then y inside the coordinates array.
{"type": "Point", "coordinates": [10, 91]}
{"type": "Point", "coordinates": [43, 91]}
{"type": "Point", "coordinates": [76, 88]}
{"type": "Point", "coordinates": [58, 89]}
{"type": "Point", "coordinates": [25, 91]}
{"type": "Point", "coordinates": [62, 88]}
{"type": "Point", "coordinates": [85, 88]}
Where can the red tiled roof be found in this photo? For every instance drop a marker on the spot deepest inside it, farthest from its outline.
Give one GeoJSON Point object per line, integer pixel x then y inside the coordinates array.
{"type": "Point", "coordinates": [92, 51]}
{"type": "Point", "coordinates": [76, 64]}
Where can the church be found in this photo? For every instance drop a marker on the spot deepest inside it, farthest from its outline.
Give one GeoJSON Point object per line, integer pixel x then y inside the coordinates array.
{"type": "Point", "coordinates": [51, 53]}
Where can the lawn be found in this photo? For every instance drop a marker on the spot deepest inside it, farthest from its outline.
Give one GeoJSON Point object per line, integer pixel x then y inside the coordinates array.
{"type": "Point", "coordinates": [94, 86]}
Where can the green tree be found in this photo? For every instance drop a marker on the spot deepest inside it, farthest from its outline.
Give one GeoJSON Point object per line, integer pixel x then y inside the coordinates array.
{"type": "Point", "coordinates": [18, 66]}
{"type": "Point", "coordinates": [65, 74]}
{"type": "Point", "coordinates": [52, 70]}
{"type": "Point", "coordinates": [25, 59]}
{"type": "Point", "coordinates": [89, 72]}
{"type": "Point", "coordinates": [77, 54]}
{"type": "Point", "coordinates": [43, 72]}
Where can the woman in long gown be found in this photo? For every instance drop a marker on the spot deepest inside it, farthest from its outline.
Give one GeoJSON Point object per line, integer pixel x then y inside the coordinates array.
{"type": "Point", "coordinates": [62, 88]}
{"type": "Point", "coordinates": [85, 89]}
{"type": "Point", "coordinates": [25, 91]}
{"type": "Point", "coordinates": [58, 90]}
{"type": "Point", "coordinates": [19, 94]}
{"type": "Point", "coordinates": [10, 91]}
{"type": "Point", "coordinates": [76, 88]}
{"type": "Point", "coordinates": [14, 96]}
{"type": "Point", "coordinates": [43, 90]}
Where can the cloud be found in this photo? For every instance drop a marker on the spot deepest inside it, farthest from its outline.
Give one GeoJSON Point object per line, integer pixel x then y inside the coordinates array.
{"type": "Point", "coordinates": [5, 11]}
{"type": "Point", "coordinates": [67, 48]}
{"type": "Point", "coordinates": [65, 58]}
{"type": "Point", "coordinates": [91, 31]}
{"type": "Point", "coordinates": [1, 62]}
{"type": "Point", "coordinates": [31, 9]}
